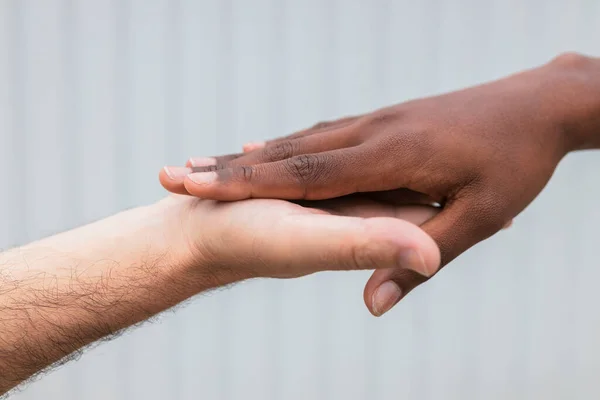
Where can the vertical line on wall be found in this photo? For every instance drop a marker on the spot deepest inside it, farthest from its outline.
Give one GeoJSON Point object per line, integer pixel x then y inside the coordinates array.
{"type": "Point", "coordinates": [277, 107]}
{"type": "Point", "coordinates": [123, 145]}
{"type": "Point", "coordinates": [18, 156]}
{"type": "Point", "coordinates": [226, 122]}
{"type": "Point", "coordinates": [173, 140]}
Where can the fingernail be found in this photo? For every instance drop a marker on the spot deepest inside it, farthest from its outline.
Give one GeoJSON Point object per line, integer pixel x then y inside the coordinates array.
{"type": "Point", "coordinates": [508, 224]}
{"type": "Point", "coordinates": [177, 172]}
{"type": "Point", "coordinates": [203, 178]}
{"type": "Point", "coordinates": [412, 259]}
{"type": "Point", "coordinates": [385, 297]}
{"type": "Point", "coordinates": [202, 161]}
{"type": "Point", "coordinates": [253, 146]}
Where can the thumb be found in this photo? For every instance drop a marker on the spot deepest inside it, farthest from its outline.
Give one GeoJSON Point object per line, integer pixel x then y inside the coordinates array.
{"type": "Point", "coordinates": [308, 243]}
{"type": "Point", "coordinates": [457, 228]}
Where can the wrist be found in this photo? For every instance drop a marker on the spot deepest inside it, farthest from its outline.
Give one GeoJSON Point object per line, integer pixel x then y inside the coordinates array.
{"type": "Point", "coordinates": [574, 99]}
{"type": "Point", "coordinates": [164, 239]}
{"type": "Point", "coordinates": [188, 236]}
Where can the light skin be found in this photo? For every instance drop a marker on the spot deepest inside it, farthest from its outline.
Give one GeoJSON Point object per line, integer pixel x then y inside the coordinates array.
{"type": "Point", "coordinates": [62, 293]}
{"type": "Point", "coordinates": [483, 153]}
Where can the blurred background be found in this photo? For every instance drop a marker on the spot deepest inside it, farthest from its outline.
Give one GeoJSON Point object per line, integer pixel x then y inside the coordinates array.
{"type": "Point", "coordinates": [97, 95]}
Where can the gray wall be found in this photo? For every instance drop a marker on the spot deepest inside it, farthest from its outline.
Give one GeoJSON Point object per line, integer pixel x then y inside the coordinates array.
{"type": "Point", "coordinates": [95, 96]}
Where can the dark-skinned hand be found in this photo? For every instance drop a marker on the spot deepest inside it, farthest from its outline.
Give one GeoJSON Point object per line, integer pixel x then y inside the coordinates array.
{"type": "Point", "coordinates": [483, 153]}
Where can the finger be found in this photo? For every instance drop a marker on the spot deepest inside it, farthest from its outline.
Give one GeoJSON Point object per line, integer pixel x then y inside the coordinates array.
{"type": "Point", "coordinates": [312, 243]}
{"type": "Point", "coordinates": [199, 162]}
{"type": "Point", "coordinates": [317, 128]}
{"type": "Point", "coordinates": [455, 229]}
{"type": "Point", "coordinates": [464, 223]}
{"type": "Point", "coordinates": [252, 146]}
{"type": "Point", "coordinates": [321, 127]}
{"type": "Point", "coordinates": [248, 147]}
{"type": "Point", "coordinates": [172, 178]}
{"type": "Point", "coordinates": [383, 290]}
{"type": "Point", "coordinates": [310, 177]}
{"type": "Point", "coordinates": [416, 214]}
{"type": "Point", "coordinates": [275, 149]}
{"type": "Point", "coordinates": [282, 150]}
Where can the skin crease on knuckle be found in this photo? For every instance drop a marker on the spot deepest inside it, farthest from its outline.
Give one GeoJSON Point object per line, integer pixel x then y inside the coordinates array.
{"type": "Point", "coordinates": [381, 119]}
{"type": "Point", "coordinates": [322, 125]}
{"type": "Point", "coordinates": [209, 168]}
{"type": "Point", "coordinates": [382, 245]}
{"type": "Point", "coordinates": [279, 151]}
{"type": "Point", "coordinates": [370, 253]}
{"type": "Point", "coordinates": [366, 255]}
{"type": "Point", "coordinates": [235, 175]}
{"type": "Point", "coordinates": [246, 174]}
{"type": "Point", "coordinates": [307, 170]}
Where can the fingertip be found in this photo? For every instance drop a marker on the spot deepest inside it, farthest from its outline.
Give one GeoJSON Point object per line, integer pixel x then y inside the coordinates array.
{"type": "Point", "coordinates": [405, 279]}
{"type": "Point", "coordinates": [248, 147]}
{"type": "Point", "coordinates": [430, 254]}
{"type": "Point", "coordinates": [416, 257]}
{"type": "Point", "coordinates": [203, 178]}
{"type": "Point", "coordinates": [416, 250]}
{"type": "Point", "coordinates": [384, 298]}
{"type": "Point", "coordinates": [197, 183]}
{"type": "Point", "coordinates": [172, 179]}
{"type": "Point", "coordinates": [422, 254]}
{"type": "Point", "coordinates": [200, 162]}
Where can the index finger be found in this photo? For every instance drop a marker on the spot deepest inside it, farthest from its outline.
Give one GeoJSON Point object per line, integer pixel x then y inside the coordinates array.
{"type": "Point", "coordinates": [304, 177]}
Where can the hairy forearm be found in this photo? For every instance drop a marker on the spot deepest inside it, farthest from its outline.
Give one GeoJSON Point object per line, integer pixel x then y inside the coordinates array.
{"type": "Point", "coordinates": [65, 292]}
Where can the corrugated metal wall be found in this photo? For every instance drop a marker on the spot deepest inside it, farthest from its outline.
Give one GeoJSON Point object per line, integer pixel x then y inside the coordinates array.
{"type": "Point", "coordinates": [95, 96]}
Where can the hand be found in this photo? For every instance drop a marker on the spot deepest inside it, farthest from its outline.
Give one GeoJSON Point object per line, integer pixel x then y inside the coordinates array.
{"type": "Point", "coordinates": [119, 271]}
{"type": "Point", "coordinates": [279, 239]}
{"type": "Point", "coordinates": [484, 153]}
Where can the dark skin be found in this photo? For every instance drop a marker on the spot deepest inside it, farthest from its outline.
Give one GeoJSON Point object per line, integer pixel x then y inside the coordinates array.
{"type": "Point", "coordinates": [483, 153]}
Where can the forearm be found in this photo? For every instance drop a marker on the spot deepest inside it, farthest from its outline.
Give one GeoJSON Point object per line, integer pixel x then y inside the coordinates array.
{"type": "Point", "coordinates": [65, 292]}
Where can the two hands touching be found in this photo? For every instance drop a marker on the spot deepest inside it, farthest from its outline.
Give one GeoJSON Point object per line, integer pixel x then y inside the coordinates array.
{"type": "Point", "coordinates": [403, 190]}
{"type": "Point", "coordinates": [481, 154]}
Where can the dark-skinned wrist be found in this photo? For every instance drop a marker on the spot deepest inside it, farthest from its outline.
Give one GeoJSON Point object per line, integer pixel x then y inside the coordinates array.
{"type": "Point", "coordinates": [575, 99]}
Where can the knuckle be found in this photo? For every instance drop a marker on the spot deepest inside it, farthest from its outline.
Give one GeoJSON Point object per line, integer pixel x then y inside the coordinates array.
{"type": "Point", "coordinates": [366, 255]}
{"type": "Point", "coordinates": [381, 117]}
{"type": "Point", "coordinates": [379, 121]}
{"type": "Point", "coordinates": [571, 59]}
{"type": "Point", "coordinates": [306, 168]}
{"type": "Point", "coordinates": [321, 125]}
{"type": "Point", "coordinates": [245, 173]}
{"type": "Point", "coordinates": [211, 168]}
{"type": "Point", "coordinates": [279, 151]}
